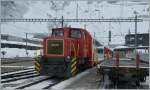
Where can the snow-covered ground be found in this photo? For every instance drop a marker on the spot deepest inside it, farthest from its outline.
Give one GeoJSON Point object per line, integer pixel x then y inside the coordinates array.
{"type": "Point", "coordinates": [41, 85]}
{"type": "Point", "coordinates": [16, 52]}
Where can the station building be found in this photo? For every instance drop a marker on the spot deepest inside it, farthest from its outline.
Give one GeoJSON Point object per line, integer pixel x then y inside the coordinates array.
{"type": "Point", "coordinates": [142, 39]}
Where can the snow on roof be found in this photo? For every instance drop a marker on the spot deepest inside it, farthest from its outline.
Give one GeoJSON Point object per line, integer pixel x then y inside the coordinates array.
{"type": "Point", "coordinates": [20, 43]}
{"type": "Point", "coordinates": [143, 46]}
{"type": "Point", "coordinates": [124, 47]}
{"type": "Point", "coordinates": [121, 47]}
{"type": "Point", "coordinates": [100, 47]}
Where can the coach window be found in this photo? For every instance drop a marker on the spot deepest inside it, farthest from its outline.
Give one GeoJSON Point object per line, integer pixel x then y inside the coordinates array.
{"type": "Point", "coordinates": [75, 34]}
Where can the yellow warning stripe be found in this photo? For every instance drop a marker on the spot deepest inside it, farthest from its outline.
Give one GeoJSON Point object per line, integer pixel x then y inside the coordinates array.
{"type": "Point", "coordinates": [37, 64]}
{"type": "Point", "coordinates": [74, 73]}
{"type": "Point", "coordinates": [36, 58]}
{"type": "Point", "coordinates": [74, 64]}
{"type": "Point", "coordinates": [74, 59]}
{"type": "Point", "coordinates": [38, 69]}
{"type": "Point", "coordinates": [73, 69]}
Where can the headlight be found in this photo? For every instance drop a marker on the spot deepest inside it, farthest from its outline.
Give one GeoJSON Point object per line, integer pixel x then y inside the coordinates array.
{"type": "Point", "coordinates": [68, 57]}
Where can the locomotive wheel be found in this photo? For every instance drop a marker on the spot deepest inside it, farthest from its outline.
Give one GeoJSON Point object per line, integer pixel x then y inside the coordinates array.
{"type": "Point", "coordinates": [137, 83]}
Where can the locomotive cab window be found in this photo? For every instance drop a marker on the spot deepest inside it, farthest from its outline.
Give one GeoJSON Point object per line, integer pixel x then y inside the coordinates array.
{"type": "Point", "coordinates": [57, 32]}
{"type": "Point", "coordinates": [75, 33]}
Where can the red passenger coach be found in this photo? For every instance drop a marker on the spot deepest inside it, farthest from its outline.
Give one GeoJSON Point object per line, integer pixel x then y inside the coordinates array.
{"type": "Point", "coordinates": [66, 52]}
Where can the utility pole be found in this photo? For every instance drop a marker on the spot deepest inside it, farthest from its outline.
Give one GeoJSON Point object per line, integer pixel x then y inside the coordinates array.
{"type": "Point", "coordinates": [26, 44]}
{"type": "Point", "coordinates": [135, 42]}
{"type": "Point", "coordinates": [62, 22]}
{"type": "Point", "coordinates": [77, 11]}
{"type": "Point", "coordinates": [85, 26]}
{"type": "Point", "coordinates": [109, 34]}
{"type": "Point", "coordinates": [129, 36]}
{"type": "Point", "coordinates": [135, 32]}
{"type": "Point", "coordinates": [0, 40]}
{"type": "Point", "coordinates": [129, 32]}
{"type": "Point", "coordinates": [94, 34]}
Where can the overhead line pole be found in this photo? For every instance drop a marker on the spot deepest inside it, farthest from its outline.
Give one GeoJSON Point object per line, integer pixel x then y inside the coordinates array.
{"type": "Point", "coordinates": [62, 22]}
{"type": "Point", "coordinates": [0, 41]}
{"type": "Point", "coordinates": [109, 32]}
{"type": "Point", "coordinates": [135, 35]}
{"type": "Point", "coordinates": [77, 12]}
{"type": "Point", "coordinates": [135, 31]}
{"type": "Point", "coordinates": [26, 44]}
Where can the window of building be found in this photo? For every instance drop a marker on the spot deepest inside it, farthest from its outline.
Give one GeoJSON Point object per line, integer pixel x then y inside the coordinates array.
{"type": "Point", "coordinates": [132, 38]}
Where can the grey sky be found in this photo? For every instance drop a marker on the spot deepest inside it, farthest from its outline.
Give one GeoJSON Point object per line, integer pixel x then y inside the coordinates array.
{"type": "Point", "coordinates": [103, 9]}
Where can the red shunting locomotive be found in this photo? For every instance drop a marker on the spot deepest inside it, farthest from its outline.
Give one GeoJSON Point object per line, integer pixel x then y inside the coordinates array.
{"type": "Point", "coordinates": [66, 52]}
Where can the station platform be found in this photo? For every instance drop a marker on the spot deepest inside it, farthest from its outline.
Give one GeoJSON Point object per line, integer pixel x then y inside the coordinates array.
{"type": "Point", "coordinates": [88, 81]}
{"type": "Point", "coordinates": [84, 80]}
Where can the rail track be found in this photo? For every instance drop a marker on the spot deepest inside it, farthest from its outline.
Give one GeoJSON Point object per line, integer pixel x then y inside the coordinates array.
{"type": "Point", "coordinates": [27, 79]}
{"type": "Point", "coordinates": [17, 73]}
